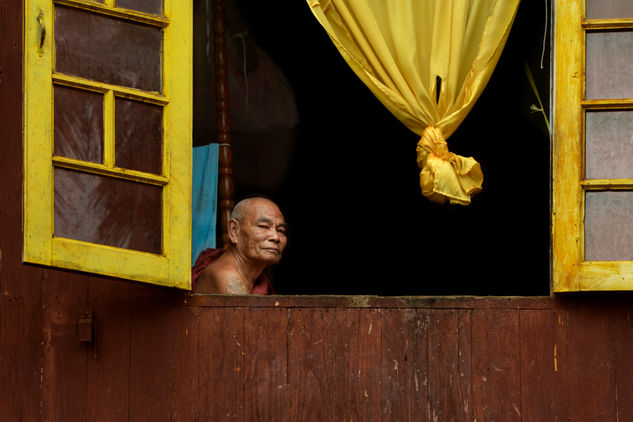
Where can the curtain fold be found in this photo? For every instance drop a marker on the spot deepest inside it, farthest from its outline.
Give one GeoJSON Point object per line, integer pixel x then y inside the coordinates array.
{"type": "Point", "coordinates": [204, 198]}
{"type": "Point", "coordinates": [427, 61]}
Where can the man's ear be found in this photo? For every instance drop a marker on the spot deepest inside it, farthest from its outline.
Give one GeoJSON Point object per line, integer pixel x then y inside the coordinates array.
{"type": "Point", "coordinates": [234, 227]}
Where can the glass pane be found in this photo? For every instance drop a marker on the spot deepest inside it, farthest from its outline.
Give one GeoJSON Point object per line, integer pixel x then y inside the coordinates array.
{"type": "Point", "coordinates": [609, 226]}
{"type": "Point", "coordinates": [108, 211]}
{"type": "Point", "coordinates": [138, 136]}
{"type": "Point", "coordinates": [606, 9]}
{"type": "Point", "coordinates": [148, 6]}
{"type": "Point", "coordinates": [609, 65]}
{"type": "Point", "coordinates": [609, 145]}
{"type": "Point", "coordinates": [107, 50]}
{"type": "Point", "coordinates": [78, 118]}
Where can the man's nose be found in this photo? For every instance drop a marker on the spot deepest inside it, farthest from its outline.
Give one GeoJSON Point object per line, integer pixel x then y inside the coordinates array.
{"type": "Point", "coordinates": [274, 236]}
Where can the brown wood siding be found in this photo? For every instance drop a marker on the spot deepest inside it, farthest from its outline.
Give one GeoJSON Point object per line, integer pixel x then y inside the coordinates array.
{"type": "Point", "coordinates": [158, 355]}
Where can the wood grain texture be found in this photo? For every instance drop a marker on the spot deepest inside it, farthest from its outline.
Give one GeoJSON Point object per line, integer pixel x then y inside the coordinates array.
{"type": "Point", "coordinates": [590, 355]}
{"type": "Point", "coordinates": [184, 371]}
{"type": "Point", "coordinates": [449, 375]}
{"type": "Point", "coordinates": [225, 159]}
{"type": "Point", "coordinates": [64, 358]}
{"type": "Point", "coordinates": [404, 365]}
{"type": "Point", "coordinates": [20, 287]}
{"type": "Point", "coordinates": [311, 358]}
{"type": "Point", "coordinates": [221, 365]}
{"type": "Point", "coordinates": [496, 365]}
{"type": "Point", "coordinates": [108, 356]}
{"type": "Point", "coordinates": [149, 353]}
{"type": "Point", "coordinates": [543, 365]}
{"type": "Point", "coordinates": [623, 366]}
{"type": "Point", "coordinates": [265, 362]}
{"type": "Point", "coordinates": [356, 366]}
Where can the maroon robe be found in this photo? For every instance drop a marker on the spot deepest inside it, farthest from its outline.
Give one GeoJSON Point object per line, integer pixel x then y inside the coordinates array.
{"type": "Point", "coordinates": [262, 285]}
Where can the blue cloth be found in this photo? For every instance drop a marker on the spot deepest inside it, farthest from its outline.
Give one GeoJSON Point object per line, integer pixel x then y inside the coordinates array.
{"type": "Point", "coordinates": [204, 198]}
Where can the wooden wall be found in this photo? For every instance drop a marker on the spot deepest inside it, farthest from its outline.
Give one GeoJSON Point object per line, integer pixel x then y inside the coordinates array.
{"type": "Point", "coordinates": [159, 355]}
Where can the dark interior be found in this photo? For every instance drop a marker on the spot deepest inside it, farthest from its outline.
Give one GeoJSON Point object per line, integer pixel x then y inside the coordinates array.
{"type": "Point", "coordinates": [358, 221]}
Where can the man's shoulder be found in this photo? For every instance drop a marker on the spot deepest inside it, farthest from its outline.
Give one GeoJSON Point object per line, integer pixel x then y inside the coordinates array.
{"type": "Point", "coordinates": [221, 277]}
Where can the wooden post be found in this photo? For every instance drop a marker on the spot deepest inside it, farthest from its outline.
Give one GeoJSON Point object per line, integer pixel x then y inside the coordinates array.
{"type": "Point", "coordinates": [225, 181]}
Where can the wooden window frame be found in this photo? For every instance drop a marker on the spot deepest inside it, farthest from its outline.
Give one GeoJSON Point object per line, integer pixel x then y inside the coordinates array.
{"type": "Point", "coordinates": [172, 267]}
{"type": "Point", "coordinates": [570, 271]}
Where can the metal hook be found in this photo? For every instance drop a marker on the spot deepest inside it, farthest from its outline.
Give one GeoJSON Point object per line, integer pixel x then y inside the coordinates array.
{"type": "Point", "coordinates": [40, 21]}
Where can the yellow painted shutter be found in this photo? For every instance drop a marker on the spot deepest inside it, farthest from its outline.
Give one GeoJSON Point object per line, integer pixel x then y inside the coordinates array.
{"type": "Point", "coordinates": [107, 138]}
{"type": "Point", "coordinates": [592, 213]}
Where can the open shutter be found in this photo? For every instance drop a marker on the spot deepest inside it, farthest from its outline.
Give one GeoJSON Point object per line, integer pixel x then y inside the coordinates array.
{"type": "Point", "coordinates": [593, 151]}
{"type": "Point", "coordinates": [107, 137]}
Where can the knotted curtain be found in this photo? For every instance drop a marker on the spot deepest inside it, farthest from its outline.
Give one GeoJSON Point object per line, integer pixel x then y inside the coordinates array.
{"type": "Point", "coordinates": [427, 61]}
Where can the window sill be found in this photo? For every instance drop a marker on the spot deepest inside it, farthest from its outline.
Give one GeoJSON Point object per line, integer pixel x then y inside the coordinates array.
{"type": "Point", "coordinates": [332, 301]}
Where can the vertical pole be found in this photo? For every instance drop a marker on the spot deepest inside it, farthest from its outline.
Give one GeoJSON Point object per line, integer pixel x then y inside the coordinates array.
{"type": "Point", "coordinates": [225, 181]}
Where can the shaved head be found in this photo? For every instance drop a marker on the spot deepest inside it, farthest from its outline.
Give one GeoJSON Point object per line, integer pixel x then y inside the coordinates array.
{"type": "Point", "coordinates": [242, 208]}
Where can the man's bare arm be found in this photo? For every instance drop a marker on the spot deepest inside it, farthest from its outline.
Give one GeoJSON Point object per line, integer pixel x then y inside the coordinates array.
{"type": "Point", "coordinates": [216, 281]}
{"type": "Point", "coordinates": [233, 285]}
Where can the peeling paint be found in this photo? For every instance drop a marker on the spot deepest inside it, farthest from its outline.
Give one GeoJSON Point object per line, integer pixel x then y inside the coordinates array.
{"type": "Point", "coordinates": [555, 359]}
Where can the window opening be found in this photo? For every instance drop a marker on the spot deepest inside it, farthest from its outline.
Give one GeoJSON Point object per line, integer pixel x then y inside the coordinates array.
{"type": "Point", "coordinates": [358, 222]}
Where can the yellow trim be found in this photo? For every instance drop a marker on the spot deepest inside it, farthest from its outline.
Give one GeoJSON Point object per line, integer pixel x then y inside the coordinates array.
{"type": "Point", "coordinates": [178, 79]}
{"type": "Point", "coordinates": [37, 130]}
{"type": "Point", "coordinates": [108, 129]}
{"type": "Point", "coordinates": [108, 10]}
{"type": "Point", "coordinates": [619, 104]}
{"type": "Point", "coordinates": [601, 275]}
{"type": "Point", "coordinates": [103, 170]}
{"type": "Point", "coordinates": [570, 271]}
{"type": "Point", "coordinates": [132, 265]}
{"type": "Point", "coordinates": [119, 91]}
{"type": "Point", "coordinates": [610, 184]}
{"type": "Point", "coordinates": [567, 148]}
{"type": "Point", "coordinates": [607, 24]}
{"type": "Point", "coordinates": [172, 267]}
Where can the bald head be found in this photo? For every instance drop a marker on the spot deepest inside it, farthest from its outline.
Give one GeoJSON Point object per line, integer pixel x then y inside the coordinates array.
{"type": "Point", "coordinates": [245, 206]}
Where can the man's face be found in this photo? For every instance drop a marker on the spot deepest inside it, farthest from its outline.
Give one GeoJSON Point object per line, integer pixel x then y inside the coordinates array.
{"type": "Point", "coordinates": [261, 236]}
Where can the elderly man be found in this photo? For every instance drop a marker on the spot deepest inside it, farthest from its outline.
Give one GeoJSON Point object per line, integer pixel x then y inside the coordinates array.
{"type": "Point", "coordinates": [257, 238]}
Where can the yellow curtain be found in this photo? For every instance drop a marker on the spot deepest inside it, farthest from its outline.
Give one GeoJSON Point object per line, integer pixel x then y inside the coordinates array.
{"type": "Point", "coordinates": [403, 50]}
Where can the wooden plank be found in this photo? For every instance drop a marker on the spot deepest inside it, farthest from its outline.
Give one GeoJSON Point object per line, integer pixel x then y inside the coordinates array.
{"type": "Point", "coordinates": [64, 367]}
{"type": "Point", "coordinates": [325, 301]}
{"type": "Point", "coordinates": [221, 365]}
{"type": "Point", "coordinates": [404, 365]}
{"type": "Point", "coordinates": [623, 350]}
{"type": "Point", "coordinates": [356, 367]}
{"type": "Point", "coordinates": [20, 286]}
{"type": "Point", "coordinates": [367, 365]}
{"type": "Point", "coordinates": [266, 357]}
{"type": "Point", "coordinates": [496, 365]}
{"type": "Point", "coordinates": [465, 327]}
{"type": "Point", "coordinates": [449, 381]}
{"type": "Point", "coordinates": [310, 362]}
{"type": "Point", "coordinates": [185, 331]}
{"type": "Point", "coordinates": [150, 315]}
{"type": "Point", "coordinates": [108, 357]}
{"type": "Point", "coordinates": [591, 371]}
{"type": "Point", "coordinates": [544, 386]}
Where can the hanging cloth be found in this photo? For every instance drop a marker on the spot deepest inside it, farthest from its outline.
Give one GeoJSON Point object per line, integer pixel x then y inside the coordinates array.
{"type": "Point", "coordinates": [204, 191]}
{"type": "Point", "coordinates": [427, 61]}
